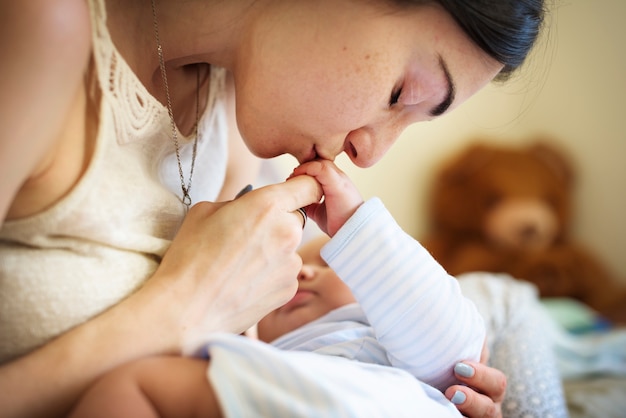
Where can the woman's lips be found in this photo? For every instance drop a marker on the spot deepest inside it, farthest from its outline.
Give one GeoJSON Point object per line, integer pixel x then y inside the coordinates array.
{"type": "Point", "coordinates": [312, 155]}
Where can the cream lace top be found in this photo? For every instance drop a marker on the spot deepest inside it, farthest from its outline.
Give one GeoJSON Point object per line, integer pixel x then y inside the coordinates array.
{"type": "Point", "coordinates": [100, 242]}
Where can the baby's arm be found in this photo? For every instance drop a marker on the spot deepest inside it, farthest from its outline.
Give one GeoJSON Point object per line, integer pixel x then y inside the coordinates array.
{"type": "Point", "coordinates": [163, 386]}
{"type": "Point", "coordinates": [417, 310]}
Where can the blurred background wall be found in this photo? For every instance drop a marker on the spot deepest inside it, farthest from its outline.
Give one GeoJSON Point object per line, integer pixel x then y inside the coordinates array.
{"type": "Point", "coordinates": [573, 89]}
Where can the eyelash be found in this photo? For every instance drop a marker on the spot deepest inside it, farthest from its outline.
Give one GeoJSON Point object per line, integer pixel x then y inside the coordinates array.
{"type": "Point", "coordinates": [395, 95]}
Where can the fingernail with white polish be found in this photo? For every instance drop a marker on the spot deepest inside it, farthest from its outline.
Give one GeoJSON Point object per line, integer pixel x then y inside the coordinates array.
{"type": "Point", "coordinates": [458, 398]}
{"type": "Point", "coordinates": [464, 370]}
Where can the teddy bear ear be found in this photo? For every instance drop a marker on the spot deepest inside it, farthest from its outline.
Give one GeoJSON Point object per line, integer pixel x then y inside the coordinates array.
{"type": "Point", "coordinates": [469, 161]}
{"type": "Point", "coordinates": [555, 159]}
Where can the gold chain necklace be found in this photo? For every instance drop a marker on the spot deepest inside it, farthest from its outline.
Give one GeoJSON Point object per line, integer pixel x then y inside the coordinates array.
{"type": "Point", "coordinates": [186, 199]}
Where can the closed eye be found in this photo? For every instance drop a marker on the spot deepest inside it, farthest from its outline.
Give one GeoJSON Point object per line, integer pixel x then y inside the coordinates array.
{"type": "Point", "coordinates": [395, 95]}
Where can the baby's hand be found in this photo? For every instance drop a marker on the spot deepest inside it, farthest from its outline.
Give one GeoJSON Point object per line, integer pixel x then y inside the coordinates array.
{"type": "Point", "coordinates": [341, 197]}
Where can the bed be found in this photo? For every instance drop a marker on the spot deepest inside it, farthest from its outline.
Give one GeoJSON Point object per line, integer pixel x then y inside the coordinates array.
{"type": "Point", "coordinates": [591, 358]}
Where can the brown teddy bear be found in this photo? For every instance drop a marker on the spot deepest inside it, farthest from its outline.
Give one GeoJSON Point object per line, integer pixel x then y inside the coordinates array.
{"type": "Point", "coordinates": [507, 210]}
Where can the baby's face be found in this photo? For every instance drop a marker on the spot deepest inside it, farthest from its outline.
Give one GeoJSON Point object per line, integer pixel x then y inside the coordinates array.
{"type": "Point", "coordinates": [320, 291]}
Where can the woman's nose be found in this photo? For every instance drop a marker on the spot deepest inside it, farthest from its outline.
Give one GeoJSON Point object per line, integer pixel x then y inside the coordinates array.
{"type": "Point", "coordinates": [365, 146]}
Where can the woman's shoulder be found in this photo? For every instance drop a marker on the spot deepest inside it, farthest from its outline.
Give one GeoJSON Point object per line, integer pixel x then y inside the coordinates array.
{"type": "Point", "coordinates": [61, 27]}
{"type": "Point", "coordinates": [44, 50]}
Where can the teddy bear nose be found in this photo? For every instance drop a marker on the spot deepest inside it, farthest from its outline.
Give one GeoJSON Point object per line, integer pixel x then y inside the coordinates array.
{"type": "Point", "coordinates": [528, 232]}
{"type": "Point", "coordinates": [531, 236]}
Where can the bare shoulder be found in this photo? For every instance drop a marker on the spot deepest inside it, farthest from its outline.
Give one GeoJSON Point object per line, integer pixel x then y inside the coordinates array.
{"type": "Point", "coordinates": [44, 49]}
{"type": "Point", "coordinates": [63, 24]}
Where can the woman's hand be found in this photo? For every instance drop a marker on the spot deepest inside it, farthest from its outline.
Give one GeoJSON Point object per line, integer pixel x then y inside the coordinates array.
{"type": "Point", "coordinates": [232, 263]}
{"type": "Point", "coordinates": [341, 197]}
{"type": "Point", "coordinates": [229, 265]}
{"type": "Point", "coordinates": [485, 390]}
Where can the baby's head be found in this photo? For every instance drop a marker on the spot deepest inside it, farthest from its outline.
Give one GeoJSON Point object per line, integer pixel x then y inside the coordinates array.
{"type": "Point", "coordinates": [320, 291]}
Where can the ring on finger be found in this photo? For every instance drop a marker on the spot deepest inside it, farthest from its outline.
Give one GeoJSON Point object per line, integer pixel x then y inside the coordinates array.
{"type": "Point", "coordinates": [302, 212]}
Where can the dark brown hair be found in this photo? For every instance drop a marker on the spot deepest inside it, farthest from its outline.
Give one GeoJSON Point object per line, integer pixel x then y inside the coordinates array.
{"type": "Point", "coordinates": [505, 29]}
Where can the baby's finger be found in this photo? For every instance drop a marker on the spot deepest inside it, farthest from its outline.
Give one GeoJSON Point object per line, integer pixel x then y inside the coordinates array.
{"type": "Point", "coordinates": [324, 171]}
{"type": "Point", "coordinates": [341, 197]}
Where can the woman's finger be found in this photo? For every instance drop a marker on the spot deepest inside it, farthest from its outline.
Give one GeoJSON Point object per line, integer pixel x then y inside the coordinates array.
{"type": "Point", "coordinates": [297, 192]}
{"type": "Point", "coordinates": [484, 393]}
{"type": "Point", "coordinates": [301, 212]}
{"type": "Point", "coordinates": [484, 379]}
{"type": "Point", "coordinates": [473, 404]}
{"type": "Point", "coordinates": [302, 190]}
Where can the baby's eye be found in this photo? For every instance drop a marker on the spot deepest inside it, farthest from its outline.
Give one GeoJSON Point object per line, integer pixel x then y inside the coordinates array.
{"type": "Point", "coordinates": [395, 95]}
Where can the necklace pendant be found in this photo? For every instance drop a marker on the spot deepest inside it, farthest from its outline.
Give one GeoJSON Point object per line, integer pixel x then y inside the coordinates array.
{"type": "Point", "coordinates": [186, 199]}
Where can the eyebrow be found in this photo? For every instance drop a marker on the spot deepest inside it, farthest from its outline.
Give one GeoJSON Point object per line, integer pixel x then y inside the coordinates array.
{"type": "Point", "coordinates": [441, 108]}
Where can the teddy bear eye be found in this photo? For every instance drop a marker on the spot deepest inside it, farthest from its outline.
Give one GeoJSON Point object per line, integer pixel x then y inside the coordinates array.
{"type": "Point", "coordinates": [492, 199]}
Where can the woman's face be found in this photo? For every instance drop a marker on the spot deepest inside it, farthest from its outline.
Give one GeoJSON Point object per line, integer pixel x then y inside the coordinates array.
{"type": "Point", "coordinates": [318, 78]}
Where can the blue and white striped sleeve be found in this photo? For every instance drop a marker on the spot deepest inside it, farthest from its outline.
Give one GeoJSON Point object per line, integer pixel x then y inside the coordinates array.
{"type": "Point", "coordinates": [416, 309]}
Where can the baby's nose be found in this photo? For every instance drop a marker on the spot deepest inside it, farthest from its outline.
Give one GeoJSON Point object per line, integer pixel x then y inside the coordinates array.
{"type": "Point", "coordinates": [306, 272]}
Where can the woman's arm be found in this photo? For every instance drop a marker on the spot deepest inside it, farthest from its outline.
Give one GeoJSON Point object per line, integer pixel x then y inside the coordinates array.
{"type": "Point", "coordinates": [44, 48]}
{"type": "Point", "coordinates": [229, 265]}
{"type": "Point", "coordinates": [48, 381]}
